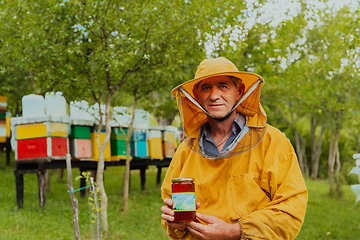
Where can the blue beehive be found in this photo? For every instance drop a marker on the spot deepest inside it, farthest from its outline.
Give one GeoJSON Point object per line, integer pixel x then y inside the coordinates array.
{"type": "Point", "coordinates": [138, 143]}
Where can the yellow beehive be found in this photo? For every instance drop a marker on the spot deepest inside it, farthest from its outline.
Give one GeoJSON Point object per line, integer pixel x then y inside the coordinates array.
{"type": "Point", "coordinates": [3, 103]}
{"type": "Point", "coordinates": [154, 141]}
{"type": "Point", "coordinates": [8, 126]}
{"type": "Point", "coordinates": [168, 137]}
{"type": "Point", "coordinates": [2, 133]}
{"type": "Point", "coordinates": [95, 148]}
{"type": "Point", "coordinates": [3, 99]}
{"type": "Point", "coordinates": [45, 129]}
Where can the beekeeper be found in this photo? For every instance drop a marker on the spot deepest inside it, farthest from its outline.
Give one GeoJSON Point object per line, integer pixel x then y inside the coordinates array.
{"type": "Point", "coordinates": [248, 183]}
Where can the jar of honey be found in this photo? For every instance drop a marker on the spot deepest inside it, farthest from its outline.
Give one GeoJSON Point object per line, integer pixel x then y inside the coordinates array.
{"type": "Point", "coordinates": [183, 197]}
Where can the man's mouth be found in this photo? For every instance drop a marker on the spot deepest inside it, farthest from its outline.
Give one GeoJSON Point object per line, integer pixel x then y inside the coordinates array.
{"type": "Point", "coordinates": [216, 105]}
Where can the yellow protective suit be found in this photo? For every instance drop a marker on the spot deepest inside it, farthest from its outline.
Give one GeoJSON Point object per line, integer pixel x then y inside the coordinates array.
{"type": "Point", "coordinates": [262, 188]}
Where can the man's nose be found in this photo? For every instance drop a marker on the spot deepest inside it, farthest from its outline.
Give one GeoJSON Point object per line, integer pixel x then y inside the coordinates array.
{"type": "Point", "coordinates": [214, 93]}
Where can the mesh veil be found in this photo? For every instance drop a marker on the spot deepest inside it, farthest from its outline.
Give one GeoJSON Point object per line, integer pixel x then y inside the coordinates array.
{"type": "Point", "coordinates": [193, 116]}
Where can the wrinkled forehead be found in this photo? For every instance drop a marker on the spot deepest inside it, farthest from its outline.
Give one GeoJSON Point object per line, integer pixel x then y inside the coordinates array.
{"type": "Point", "coordinates": [223, 79]}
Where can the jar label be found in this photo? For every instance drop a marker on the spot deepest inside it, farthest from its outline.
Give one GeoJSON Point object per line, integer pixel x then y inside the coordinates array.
{"type": "Point", "coordinates": [183, 201]}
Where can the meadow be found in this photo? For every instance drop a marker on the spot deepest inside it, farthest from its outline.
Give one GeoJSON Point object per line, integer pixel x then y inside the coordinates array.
{"type": "Point", "coordinates": [326, 217]}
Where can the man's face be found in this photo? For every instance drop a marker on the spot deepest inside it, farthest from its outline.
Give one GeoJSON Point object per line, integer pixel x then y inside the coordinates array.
{"type": "Point", "coordinates": [217, 95]}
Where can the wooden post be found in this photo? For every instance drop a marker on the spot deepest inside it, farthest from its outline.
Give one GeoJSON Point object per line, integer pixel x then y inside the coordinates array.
{"type": "Point", "coordinates": [8, 151]}
{"type": "Point", "coordinates": [74, 201]}
{"type": "Point", "coordinates": [41, 184]}
{"type": "Point", "coordinates": [19, 178]}
{"type": "Point", "coordinates": [158, 176]}
{"type": "Point", "coordinates": [143, 177]}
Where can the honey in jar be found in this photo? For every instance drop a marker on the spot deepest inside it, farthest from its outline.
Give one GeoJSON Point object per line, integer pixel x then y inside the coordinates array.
{"type": "Point", "coordinates": [183, 197]}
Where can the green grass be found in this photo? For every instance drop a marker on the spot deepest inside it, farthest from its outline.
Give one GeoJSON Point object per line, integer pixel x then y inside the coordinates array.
{"type": "Point", "coordinates": [54, 221]}
{"type": "Point", "coordinates": [326, 218]}
{"type": "Point", "coordinates": [330, 218]}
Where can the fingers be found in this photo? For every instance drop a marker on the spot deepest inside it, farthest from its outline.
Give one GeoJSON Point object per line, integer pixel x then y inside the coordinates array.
{"type": "Point", "coordinates": [196, 229]}
{"type": "Point", "coordinates": [197, 205]}
{"type": "Point", "coordinates": [176, 225]}
{"type": "Point", "coordinates": [168, 202]}
{"type": "Point", "coordinates": [207, 218]}
{"type": "Point", "coordinates": [168, 213]}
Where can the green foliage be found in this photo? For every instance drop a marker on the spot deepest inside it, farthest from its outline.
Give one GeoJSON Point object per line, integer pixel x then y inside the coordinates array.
{"type": "Point", "coordinates": [88, 47]}
{"type": "Point", "coordinates": [130, 50]}
{"type": "Point", "coordinates": [14, 84]}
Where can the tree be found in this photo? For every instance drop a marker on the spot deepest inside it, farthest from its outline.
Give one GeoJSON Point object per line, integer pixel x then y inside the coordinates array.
{"type": "Point", "coordinates": [93, 49]}
{"type": "Point", "coordinates": [271, 51]}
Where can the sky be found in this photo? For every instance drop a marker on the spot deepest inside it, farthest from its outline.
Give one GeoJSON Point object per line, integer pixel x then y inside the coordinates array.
{"type": "Point", "coordinates": [277, 9]}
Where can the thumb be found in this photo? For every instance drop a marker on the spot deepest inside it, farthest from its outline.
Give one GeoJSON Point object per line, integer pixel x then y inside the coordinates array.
{"type": "Point", "coordinates": [206, 218]}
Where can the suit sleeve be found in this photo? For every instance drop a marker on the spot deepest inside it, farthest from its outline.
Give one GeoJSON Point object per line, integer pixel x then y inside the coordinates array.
{"type": "Point", "coordinates": [283, 216]}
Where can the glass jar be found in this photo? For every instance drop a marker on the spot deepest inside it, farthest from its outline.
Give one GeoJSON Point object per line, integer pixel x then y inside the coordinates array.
{"type": "Point", "coordinates": [183, 197]}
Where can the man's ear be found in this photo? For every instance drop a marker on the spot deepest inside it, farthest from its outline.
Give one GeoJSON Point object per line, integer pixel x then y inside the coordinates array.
{"type": "Point", "coordinates": [195, 94]}
{"type": "Point", "coordinates": [241, 90]}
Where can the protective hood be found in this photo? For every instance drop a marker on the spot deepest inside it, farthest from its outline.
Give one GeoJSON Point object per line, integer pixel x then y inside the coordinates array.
{"type": "Point", "coordinates": [193, 117]}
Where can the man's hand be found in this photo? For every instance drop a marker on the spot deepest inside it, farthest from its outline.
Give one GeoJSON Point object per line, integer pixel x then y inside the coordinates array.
{"type": "Point", "coordinates": [168, 215]}
{"type": "Point", "coordinates": [216, 229]}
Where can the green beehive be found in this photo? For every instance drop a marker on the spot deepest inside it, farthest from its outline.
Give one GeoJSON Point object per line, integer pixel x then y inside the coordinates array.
{"type": "Point", "coordinates": [118, 147]}
{"type": "Point", "coordinates": [79, 132]}
{"type": "Point", "coordinates": [118, 143]}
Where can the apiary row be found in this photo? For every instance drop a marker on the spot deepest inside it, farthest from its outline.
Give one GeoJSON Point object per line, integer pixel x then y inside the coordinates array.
{"type": "Point", "coordinates": [55, 137]}
{"type": "Point", "coordinates": [45, 130]}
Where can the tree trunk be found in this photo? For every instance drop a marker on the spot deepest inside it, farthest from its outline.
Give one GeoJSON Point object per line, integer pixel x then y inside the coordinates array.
{"type": "Point", "coordinates": [101, 164]}
{"type": "Point", "coordinates": [300, 144]}
{"type": "Point", "coordinates": [303, 152]}
{"type": "Point", "coordinates": [74, 201]}
{"type": "Point", "coordinates": [331, 163]}
{"type": "Point", "coordinates": [299, 150]}
{"type": "Point", "coordinates": [316, 146]}
{"type": "Point", "coordinates": [127, 165]}
{"type": "Point", "coordinates": [160, 121]}
{"type": "Point", "coordinates": [33, 82]}
{"type": "Point", "coordinates": [333, 149]}
{"type": "Point", "coordinates": [337, 172]}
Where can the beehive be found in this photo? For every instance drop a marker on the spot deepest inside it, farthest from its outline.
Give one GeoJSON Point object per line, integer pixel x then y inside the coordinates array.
{"type": "Point", "coordinates": [80, 148]}
{"type": "Point", "coordinates": [8, 125]}
{"type": "Point", "coordinates": [44, 129]}
{"type": "Point", "coordinates": [138, 143]}
{"type": "Point", "coordinates": [118, 143]}
{"type": "Point", "coordinates": [80, 143]}
{"type": "Point", "coordinates": [154, 140]}
{"type": "Point", "coordinates": [40, 139]}
{"type": "Point", "coordinates": [94, 146]}
{"type": "Point", "coordinates": [3, 107]}
{"type": "Point", "coordinates": [168, 143]}
{"type": "Point", "coordinates": [53, 147]}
